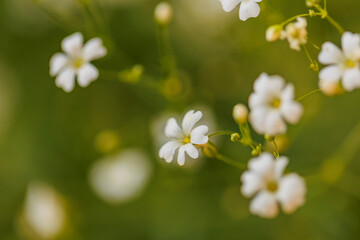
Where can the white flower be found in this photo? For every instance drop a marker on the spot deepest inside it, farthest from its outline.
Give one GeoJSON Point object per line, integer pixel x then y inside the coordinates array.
{"type": "Point", "coordinates": [296, 33]}
{"type": "Point", "coordinates": [248, 8]}
{"type": "Point", "coordinates": [273, 33]}
{"type": "Point", "coordinates": [185, 139]}
{"type": "Point", "coordinates": [163, 13]}
{"type": "Point", "coordinates": [272, 104]}
{"type": "Point", "coordinates": [343, 65]}
{"type": "Point", "coordinates": [122, 177]}
{"type": "Point", "coordinates": [76, 62]}
{"type": "Point", "coordinates": [266, 180]}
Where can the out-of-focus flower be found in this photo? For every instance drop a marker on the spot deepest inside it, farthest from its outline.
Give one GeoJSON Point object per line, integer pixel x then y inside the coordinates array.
{"type": "Point", "coordinates": [272, 104]}
{"type": "Point", "coordinates": [121, 177]}
{"type": "Point", "coordinates": [265, 179]}
{"type": "Point", "coordinates": [163, 13]}
{"type": "Point", "coordinates": [185, 139]}
{"type": "Point", "coordinates": [76, 62]}
{"type": "Point", "coordinates": [44, 213]}
{"type": "Point", "coordinates": [296, 33]}
{"type": "Point", "coordinates": [248, 8]}
{"type": "Point", "coordinates": [273, 33]}
{"type": "Point", "coordinates": [343, 66]}
{"type": "Point", "coordinates": [240, 113]}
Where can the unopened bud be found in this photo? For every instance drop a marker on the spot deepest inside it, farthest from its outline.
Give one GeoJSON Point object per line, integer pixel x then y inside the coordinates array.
{"type": "Point", "coordinates": [209, 150]}
{"type": "Point", "coordinates": [331, 88]}
{"type": "Point", "coordinates": [312, 13]}
{"type": "Point", "coordinates": [314, 66]}
{"type": "Point", "coordinates": [163, 13]}
{"type": "Point", "coordinates": [273, 33]}
{"type": "Point", "coordinates": [257, 151]}
{"type": "Point", "coordinates": [235, 137]}
{"type": "Point", "coordinates": [269, 138]}
{"type": "Point", "coordinates": [240, 113]}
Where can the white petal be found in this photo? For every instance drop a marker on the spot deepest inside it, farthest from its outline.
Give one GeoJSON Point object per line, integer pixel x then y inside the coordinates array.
{"type": "Point", "coordinates": [190, 150]}
{"type": "Point", "coordinates": [291, 192]}
{"type": "Point", "coordinates": [198, 135]}
{"type": "Point", "coordinates": [190, 119]}
{"type": "Point", "coordinates": [167, 151]}
{"type": "Point", "coordinates": [258, 119]}
{"type": "Point", "coordinates": [172, 129]}
{"type": "Point", "coordinates": [288, 93]}
{"type": "Point", "coordinates": [251, 183]}
{"type": "Point", "coordinates": [269, 85]}
{"type": "Point", "coordinates": [264, 205]}
{"type": "Point", "coordinates": [87, 74]}
{"type": "Point", "coordinates": [274, 124]}
{"type": "Point", "coordinates": [292, 111]}
{"type": "Point", "coordinates": [248, 9]}
{"type": "Point", "coordinates": [66, 79]}
{"type": "Point", "coordinates": [229, 5]}
{"type": "Point", "coordinates": [57, 63]}
{"type": "Point", "coordinates": [257, 100]}
{"type": "Point", "coordinates": [350, 44]}
{"type": "Point", "coordinates": [280, 165]}
{"type": "Point", "coordinates": [72, 44]}
{"type": "Point", "coordinates": [351, 79]}
{"type": "Point", "coordinates": [330, 54]}
{"type": "Point", "coordinates": [331, 73]}
{"type": "Point", "coordinates": [94, 49]}
{"type": "Point", "coordinates": [263, 166]}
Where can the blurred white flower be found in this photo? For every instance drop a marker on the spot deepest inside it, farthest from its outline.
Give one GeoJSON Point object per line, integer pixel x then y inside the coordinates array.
{"type": "Point", "coordinates": [76, 62]}
{"type": "Point", "coordinates": [163, 13]}
{"type": "Point", "coordinates": [265, 179]}
{"type": "Point", "coordinates": [44, 212]}
{"type": "Point", "coordinates": [273, 33]}
{"type": "Point", "coordinates": [121, 177]}
{"type": "Point", "coordinates": [343, 65]}
{"type": "Point", "coordinates": [185, 138]}
{"type": "Point", "coordinates": [248, 8]}
{"type": "Point", "coordinates": [272, 104]}
{"type": "Point", "coordinates": [296, 33]}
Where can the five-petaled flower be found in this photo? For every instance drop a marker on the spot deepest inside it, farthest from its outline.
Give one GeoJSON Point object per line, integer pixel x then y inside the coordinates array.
{"type": "Point", "coordinates": [296, 33]}
{"type": "Point", "coordinates": [76, 62]}
{"type": "Point", "coordinates": [272, 104]}
{"type": "Point", "coordinates": [186, 139]}
{"type": "Point", "coordinates": [248, 8]}
{"type": "Point", "coordinates": [342, 64]}
{"type": "Point", "coordinates": [265, 179]}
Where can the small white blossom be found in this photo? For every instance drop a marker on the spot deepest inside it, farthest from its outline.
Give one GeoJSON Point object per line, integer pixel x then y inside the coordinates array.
{"type": "Point", "coordinates": [248, 8]}
{"type": "Point", "coordinates": [273, 33]}
{"type": "Point", "coordinates": [266, 181]}
{"type": "Point", "coordinates": [75, 61]}
{"type": "Point", "coordinates": [296, 33]}
{"type": "Point", "coordinates": [185, 139]}
{"type": "Point", "coordinates": [343, 64]}
{"type": "Point", "coordinates": [272, 104]}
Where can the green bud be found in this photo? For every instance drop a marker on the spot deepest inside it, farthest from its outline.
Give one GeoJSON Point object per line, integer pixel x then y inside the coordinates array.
{"type": "Point", "coordinates": [312, 13]}
{"type": "Point", "coordinates": [314, 66]}
{"type": "Point", "coordinates": [269, 138]}
{"type": "Point", "coordinates": [257, 151]}
{"type": "Point", "coordinates": [209, 150]}
{"type": "Point", "coordinates": [235, 137]}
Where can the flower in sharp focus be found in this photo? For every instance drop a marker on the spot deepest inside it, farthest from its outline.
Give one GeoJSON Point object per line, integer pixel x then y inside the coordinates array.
{"type": "Point", "coordinates": [343, 65]}
{"type": "Point", "coordinates": [266, 181]}
{"type": "Point", "coordinates": [296, 33]}
{"type": "Point", "coordinates": [75, 61]}
{"type": "Point", "coordinates": [272, 104]}
{"type": "Point", "coordinates": [248, 8]}
{"type": "Point", "coordinates": [186, 139]}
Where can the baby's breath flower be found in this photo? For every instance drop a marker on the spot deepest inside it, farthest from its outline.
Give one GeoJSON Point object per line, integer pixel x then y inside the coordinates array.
{"type": "Point", "coordinates": [273, 33]}
{"type": "Point", "coordinates": [296, 33]}
{"type": "Point", "coordinates": [76, 62]}
{"type": "Point", "coordinates": [266, 180]}
{"type": "Point", "coordinates": [163, 13]}
{"type": "Point", "coordinates": [185, 139]}
{"type": "Point", "coordinates": [248, 8]}
{"type": "Point", "coordinates": [344, 67]}
{"type": "Point", "coordinates": [272, 104]}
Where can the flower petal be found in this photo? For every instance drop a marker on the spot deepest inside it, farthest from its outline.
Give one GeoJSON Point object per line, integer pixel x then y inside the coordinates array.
{"type": "Point", "coordinates": [331, 73]}
{"type": "Point", "coordinates": [264, 205]}
{"type": "Point", "coordinates": [198, 135]}
{"type": "Point", "coordinates": [190, 119]}
{"type": "Point", "coordinates": [248, 9]}
{"type": "Point", "coordinates": [350, 43]}
{"type": "Point", "coordinates": [291, 192]}
{"type": "Point", "coordinates": [72, 44]}
{"type": "Point", "coordinates": [229, 5]}
{"type": "Point", "coordinates": [258, 119]}
{"type": "Point", "coordinates": [288, 93]}
{"type": "Point", "coordinates": [292, 111]}
{"type": "Point", "coordinates": [280, 165]}
{"type": "Point", "coordinates": [269, 85]}
{"type": "Point", "coordinates": [66, 79]}
{"type": "Point", "coordinates": [167, 151]}
{"type": "Point", "coordinates": [274, 124]}
{"type": "Point", "coordinates": [190, 150]}
{"type": "Point", "coordinates": [351, 79]}
{"type": "Point", "coordinates": [172, 129]}
{"type": "Point", "coordinates": [251, 183]}
{"type": "Point", "coordinates": [57, 63]}
{"type": "Point", "coordinates": [94, 49]}
{"type": "Point", "coordinates": [330, 54]}
{"type": "Point", "coordinates": [263, 166]}
{"type": "Point", "coordinates": [87, 74]}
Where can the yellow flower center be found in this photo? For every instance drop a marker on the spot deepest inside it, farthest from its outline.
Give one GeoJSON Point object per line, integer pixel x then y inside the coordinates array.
{"type": "Point", "coordinates": [272, 186]}
{"type": "Point", "coordinates": [78, 62]}
{"type": "Point", "coordinates": [350, 63]}
{"type": "Point", "coordinates": [187, 140]}
{"type": "Point", "coordinates": [276, 103]}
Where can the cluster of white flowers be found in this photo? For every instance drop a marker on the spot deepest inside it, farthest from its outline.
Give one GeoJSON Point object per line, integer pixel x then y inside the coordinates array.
{"type": "Point", "coordinates": [343, 71]}
{"type": "Point", "coordinates": [248, 8]}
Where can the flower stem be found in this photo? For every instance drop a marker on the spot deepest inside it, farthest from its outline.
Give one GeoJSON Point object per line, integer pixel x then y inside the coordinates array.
{"type": "Point", "coordinates": [326, 15]}
{"type": "Point", "coordinates": [276, 154]}
{"type": "Point", "coordinates": [231, 162]}
{"type": "Point", "coordinates": [295, 17]}
{"type": "Point", "coordinates": [307, 95]}
{"type": "Point", "coordinates": [220, 133]}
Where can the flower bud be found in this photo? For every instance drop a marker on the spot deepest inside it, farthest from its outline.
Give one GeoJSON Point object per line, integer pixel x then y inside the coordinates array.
{"type": "Point", "coordinates": [235, 137]}
{"type": "Point", "coordinates": [257, 151]}
{"type": "Point", "coordinates": [330, 88]}
{"type": "Point", "coordinates": [269, 138]}
{"type": "Point", "coordinates": [312, 13]}
{"type": "Point", "coordinates": [163, 13]}
{"type": "Point", "coordinates": [209, 150]}
{"type": "Point", "coordinates": [273, 33]}
{"type": "Point", "coordinates": [240, 113]}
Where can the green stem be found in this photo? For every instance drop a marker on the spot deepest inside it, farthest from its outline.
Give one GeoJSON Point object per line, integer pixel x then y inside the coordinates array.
{"type": "Point", "coordinates": [220, 133]}
{"type": "Point", "coordinates": [295, 17]}
{"type": "Point", "coordinates": [230, 162]}
{"type": "Point", "coordinates": [326, 15]}
{"type": "Point", "coordinates": [277, 154]}
{"type": "Point", "coordinates": [308, 94]}
{"type": "Point", "coordinates": [307, 53]}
